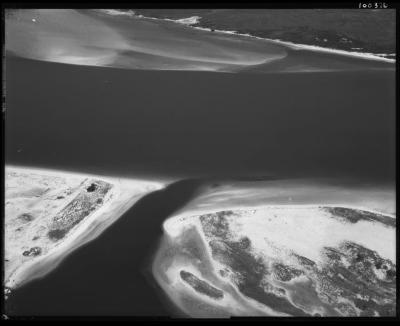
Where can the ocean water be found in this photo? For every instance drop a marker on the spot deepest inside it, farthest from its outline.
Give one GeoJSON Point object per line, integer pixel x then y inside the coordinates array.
{"type": "Point", "coordinates": [181, 125]}
{"type": "Point", "coordinates": [200, 123]}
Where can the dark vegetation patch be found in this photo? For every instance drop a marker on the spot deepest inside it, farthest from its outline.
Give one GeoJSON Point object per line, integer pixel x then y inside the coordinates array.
{"type": "Point", "coordinates": [81, 206]}
{"type": "Point", "coordinates": [333, 254]}
{"type": "Point", "coordinates": [285, 273]}
{"type": "Point", "coordinates": [355, 215]}
{"type": "Point", "coordinates": [223, 272]}
{"type": "Point", "coordinates": [248, 270]}
{"type": "Point", "coordinates": [91, 188]}
{"type": "Point", "coordinates": [216, 224]}
{"type": "Point", "coordinates": [335, 28]}
{"type": "Point", "coordinates": [34, 251]}
{"type": "Point", "coordinates": [244, 243]}
{"type": "Point", "coordinates": [201, 286]}
{"type": "Point", "coordinates": [56, 234]}
{"type": "Point", "coordinates": [26, 217]}
{"type": "Point", "coordinates": [350, 274]}
{"type": "Point", "coordinates": [350, 271]}
{"type": "Point", "coordinates": [364, 260]}
{"type": "Point", "coordinates": [304, 261]}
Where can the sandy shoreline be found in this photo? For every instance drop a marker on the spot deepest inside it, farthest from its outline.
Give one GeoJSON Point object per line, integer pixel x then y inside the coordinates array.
{"type": "Point", "coordinates": [268, 214]}
{"type": "Point", "coordinates": [272, 239]}
{"type": "Point", "coordinates": [162, 44]}
{"type": "Point", "coordinates": [189, 21]}
{"type": "Point", "coordinates": [124, 194]}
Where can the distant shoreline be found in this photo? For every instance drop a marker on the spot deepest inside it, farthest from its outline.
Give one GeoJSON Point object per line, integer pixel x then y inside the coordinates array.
{"type": "Point", "coordinates": [166, 44]}
{"type": "Point", "coordinates": [195, 22]}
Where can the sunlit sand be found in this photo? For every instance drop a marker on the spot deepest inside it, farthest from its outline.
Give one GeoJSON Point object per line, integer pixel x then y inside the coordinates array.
{"type": "Point", "coordinates": [279, 259]}
{"type": "Point", "coordinates": [50, 213]}
{"type": "Point", "coordinates": [97, 38]}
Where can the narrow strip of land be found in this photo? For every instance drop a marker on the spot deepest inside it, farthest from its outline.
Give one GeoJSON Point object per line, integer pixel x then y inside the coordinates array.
{"type": "Point", "coordinates": [49, 213]}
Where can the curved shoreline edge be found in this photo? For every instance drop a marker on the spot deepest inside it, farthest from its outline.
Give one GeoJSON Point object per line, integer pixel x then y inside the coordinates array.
{"type": "Point", "coordinates": [206, 244]}
{"type": "Point", "coordinates": [166, 45]}
{"type": "Point", "coordinates": [184, 256]}
{"type": "Point", "coordinates": [123, 195]}
{"type": "Point", "coordinates": [189, 21]}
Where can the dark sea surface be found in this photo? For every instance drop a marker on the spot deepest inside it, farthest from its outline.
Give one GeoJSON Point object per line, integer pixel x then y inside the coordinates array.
{"type": "Point", "coordinates": [180, 125]}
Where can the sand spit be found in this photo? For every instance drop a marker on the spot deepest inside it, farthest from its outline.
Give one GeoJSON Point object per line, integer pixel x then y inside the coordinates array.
{"type": "Point", "coordinates": [280, 248]}
{"type": "Point", "coordinates": [232, 195]}
{"type": "Point", "coordinates": [124, 40]}
{"type": "Point", "coordinates": [281, 260]}
{"type": "Point", "coordinates": [49, 213]}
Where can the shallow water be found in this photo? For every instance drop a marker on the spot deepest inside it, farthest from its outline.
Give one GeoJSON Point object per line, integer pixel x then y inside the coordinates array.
{"type": "Point", "coordinates": [90, 37]}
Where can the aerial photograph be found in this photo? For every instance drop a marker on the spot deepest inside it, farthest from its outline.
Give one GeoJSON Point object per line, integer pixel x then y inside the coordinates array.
{"type": "Point", "coordinates": [199, 163]}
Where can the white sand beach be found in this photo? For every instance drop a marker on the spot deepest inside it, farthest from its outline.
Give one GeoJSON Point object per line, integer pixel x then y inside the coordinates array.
{"type": "Point", "coordinates": [225, 259]}
{"type": "Point", "coordinates": [33, 200]}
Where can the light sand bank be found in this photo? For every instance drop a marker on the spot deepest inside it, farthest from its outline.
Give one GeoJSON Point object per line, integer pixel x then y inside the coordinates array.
{"type": "Point", "coordinates": [33, 197]}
